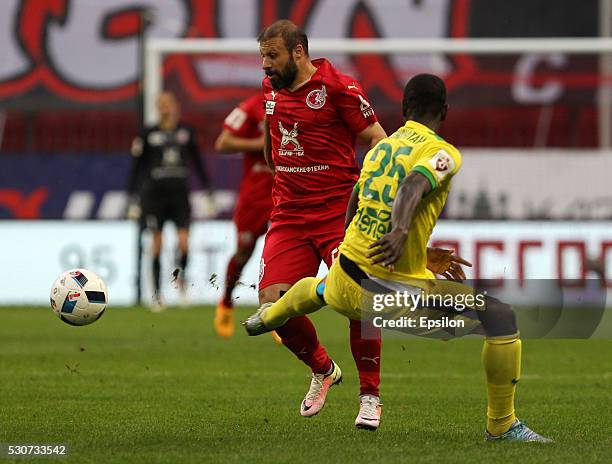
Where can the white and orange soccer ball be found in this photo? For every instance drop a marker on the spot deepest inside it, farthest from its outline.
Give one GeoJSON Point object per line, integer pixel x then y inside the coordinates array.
{"type": "Point", "coordinates": [79, 297]}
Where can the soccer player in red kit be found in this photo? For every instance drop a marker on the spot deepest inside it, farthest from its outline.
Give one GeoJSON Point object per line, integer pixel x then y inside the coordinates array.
{"type": "Point", "coordinates": [313, 114]}
{"type": "Point", "coordinates": [243, 131]}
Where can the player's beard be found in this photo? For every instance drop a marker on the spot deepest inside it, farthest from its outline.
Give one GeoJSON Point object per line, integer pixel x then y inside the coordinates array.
{"type": "Point", "coordinates": [285, 77]}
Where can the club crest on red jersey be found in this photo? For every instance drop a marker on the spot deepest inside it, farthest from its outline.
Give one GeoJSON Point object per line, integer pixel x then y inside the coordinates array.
{"type": "Point", "coordinates": [290, 137]}
{"type": "Point", "coordinates": [317, 98]}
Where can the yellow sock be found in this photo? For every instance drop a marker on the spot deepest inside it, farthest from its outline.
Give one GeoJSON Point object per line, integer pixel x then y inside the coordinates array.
{"type": "Point", "coordinates": [502, 363]}
{"type": "Point", "coordinates": [300, 299]}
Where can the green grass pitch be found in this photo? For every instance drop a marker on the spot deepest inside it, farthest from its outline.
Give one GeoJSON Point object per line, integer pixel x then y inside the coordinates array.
{"type": "Point", "coordinates": [161, 388]}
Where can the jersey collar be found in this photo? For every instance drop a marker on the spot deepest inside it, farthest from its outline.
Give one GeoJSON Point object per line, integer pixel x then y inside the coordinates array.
{"type": "Point", "coordinates": [417, 126]}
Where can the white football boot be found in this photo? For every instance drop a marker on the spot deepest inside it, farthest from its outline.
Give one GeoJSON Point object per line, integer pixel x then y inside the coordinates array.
{"type": "Point", "coordinates": [369, 412]}
{"type": "Point", "coordinates": [319, 386]}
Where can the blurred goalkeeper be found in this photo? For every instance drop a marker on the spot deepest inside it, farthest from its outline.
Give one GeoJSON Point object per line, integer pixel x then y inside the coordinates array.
{"type": "Point", "coordinates": [394, 207]}
{"type": "Point", "coordinates": [164, 155]}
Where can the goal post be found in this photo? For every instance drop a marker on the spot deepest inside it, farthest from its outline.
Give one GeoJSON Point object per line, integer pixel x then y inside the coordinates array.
{"type": "Point", "coordinates": [156, 49]}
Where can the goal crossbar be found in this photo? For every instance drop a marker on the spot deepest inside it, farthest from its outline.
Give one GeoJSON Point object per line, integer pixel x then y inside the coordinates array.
{"type": "Point", "coordinates": [392, 46]}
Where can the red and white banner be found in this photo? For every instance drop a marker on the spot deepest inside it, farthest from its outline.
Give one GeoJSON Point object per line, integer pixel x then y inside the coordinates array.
{"type": "Point", "coordinates": [527, 250]}
{"type": "Point", "coordinates": [86, 52]}
{"type": "Point", "coordinates": [63, 61]}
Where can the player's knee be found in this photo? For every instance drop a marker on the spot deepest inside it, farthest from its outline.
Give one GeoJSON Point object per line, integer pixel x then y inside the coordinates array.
{"type": "Point", "coordinates": [498, 319]}
{"type": "Point", "coordinates": [246, 240]}
{"type": "Point", "coordinates": [272, 293]}
{"type": "Point", "coordinates": [243, 254]}
{"type": "Point", "coordinates": [265, 296]}
{"type": "Point", "coordinates": [183, 246]}
{"type": "Point", "coordinates": [183, 239]}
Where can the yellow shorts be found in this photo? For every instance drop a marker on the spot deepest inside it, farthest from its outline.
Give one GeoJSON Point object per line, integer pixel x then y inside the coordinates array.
{"type": "Point", "coordinates": [342, 292]}
{"type": "Point", "coordinates": [439, 299]}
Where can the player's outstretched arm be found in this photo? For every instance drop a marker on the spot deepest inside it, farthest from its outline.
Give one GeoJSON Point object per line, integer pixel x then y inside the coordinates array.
{"type": "Point", "coordinates": [229, 143]}
{"type": "Point", "coordinates": [137, 174]}
{"type": "Point", "coordinates": [372, 134]}
{"type": "Point", "coordinates": [388, 249]}
{"type": "Point", "coordinates": [139, 152]}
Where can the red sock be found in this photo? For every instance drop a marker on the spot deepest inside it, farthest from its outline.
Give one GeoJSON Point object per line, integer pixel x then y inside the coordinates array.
{"type": "Point", "coordinates": [366, 347]}
{"type": "Point", "coordinates": [300, 336]}
{"type": "Point", "coordinates": [234, 269]}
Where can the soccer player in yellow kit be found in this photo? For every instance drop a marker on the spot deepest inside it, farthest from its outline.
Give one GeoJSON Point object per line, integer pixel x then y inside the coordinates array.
{"type": "Point", "coordinates": [400, 194]}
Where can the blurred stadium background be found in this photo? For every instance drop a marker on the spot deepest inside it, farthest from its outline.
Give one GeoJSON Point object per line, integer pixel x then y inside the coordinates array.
{"type": "Point", "coordinates": [532, 201]}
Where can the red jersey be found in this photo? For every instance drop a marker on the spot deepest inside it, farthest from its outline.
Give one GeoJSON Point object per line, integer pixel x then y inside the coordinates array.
{"type": "Point", "coordinates": [313, 132]}
{"type": "Point", "coordinates": [246, 120]}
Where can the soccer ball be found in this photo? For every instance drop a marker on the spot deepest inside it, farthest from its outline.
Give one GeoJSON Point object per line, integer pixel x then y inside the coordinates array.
{"type": "Point", "coordinates": [79, 297]}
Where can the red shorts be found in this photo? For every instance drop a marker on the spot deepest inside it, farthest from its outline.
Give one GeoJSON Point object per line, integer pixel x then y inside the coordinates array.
{"type": "Point", "coordinates": [253, 208]}
{"type": "Point", "coordinates": [296, 244]}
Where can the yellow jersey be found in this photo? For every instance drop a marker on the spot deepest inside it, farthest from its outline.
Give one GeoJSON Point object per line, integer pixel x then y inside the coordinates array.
{"type": "Point", "coordinates": [413, 147]}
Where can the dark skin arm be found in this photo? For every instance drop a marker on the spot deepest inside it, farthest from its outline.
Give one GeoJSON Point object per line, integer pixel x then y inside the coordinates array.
{"type": "Point", "coordinates": [268, 145]}
{"type": "Point", "coordinates": [388, 249]}
{"type": "Point", "coordinates": [351, 209]}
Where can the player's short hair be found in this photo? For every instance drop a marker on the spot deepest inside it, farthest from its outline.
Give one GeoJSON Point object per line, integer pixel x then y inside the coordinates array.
{"type": "Point", "coordinates": [424, 95]}
{"type": "Point", "coordinates": [291, 34]}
